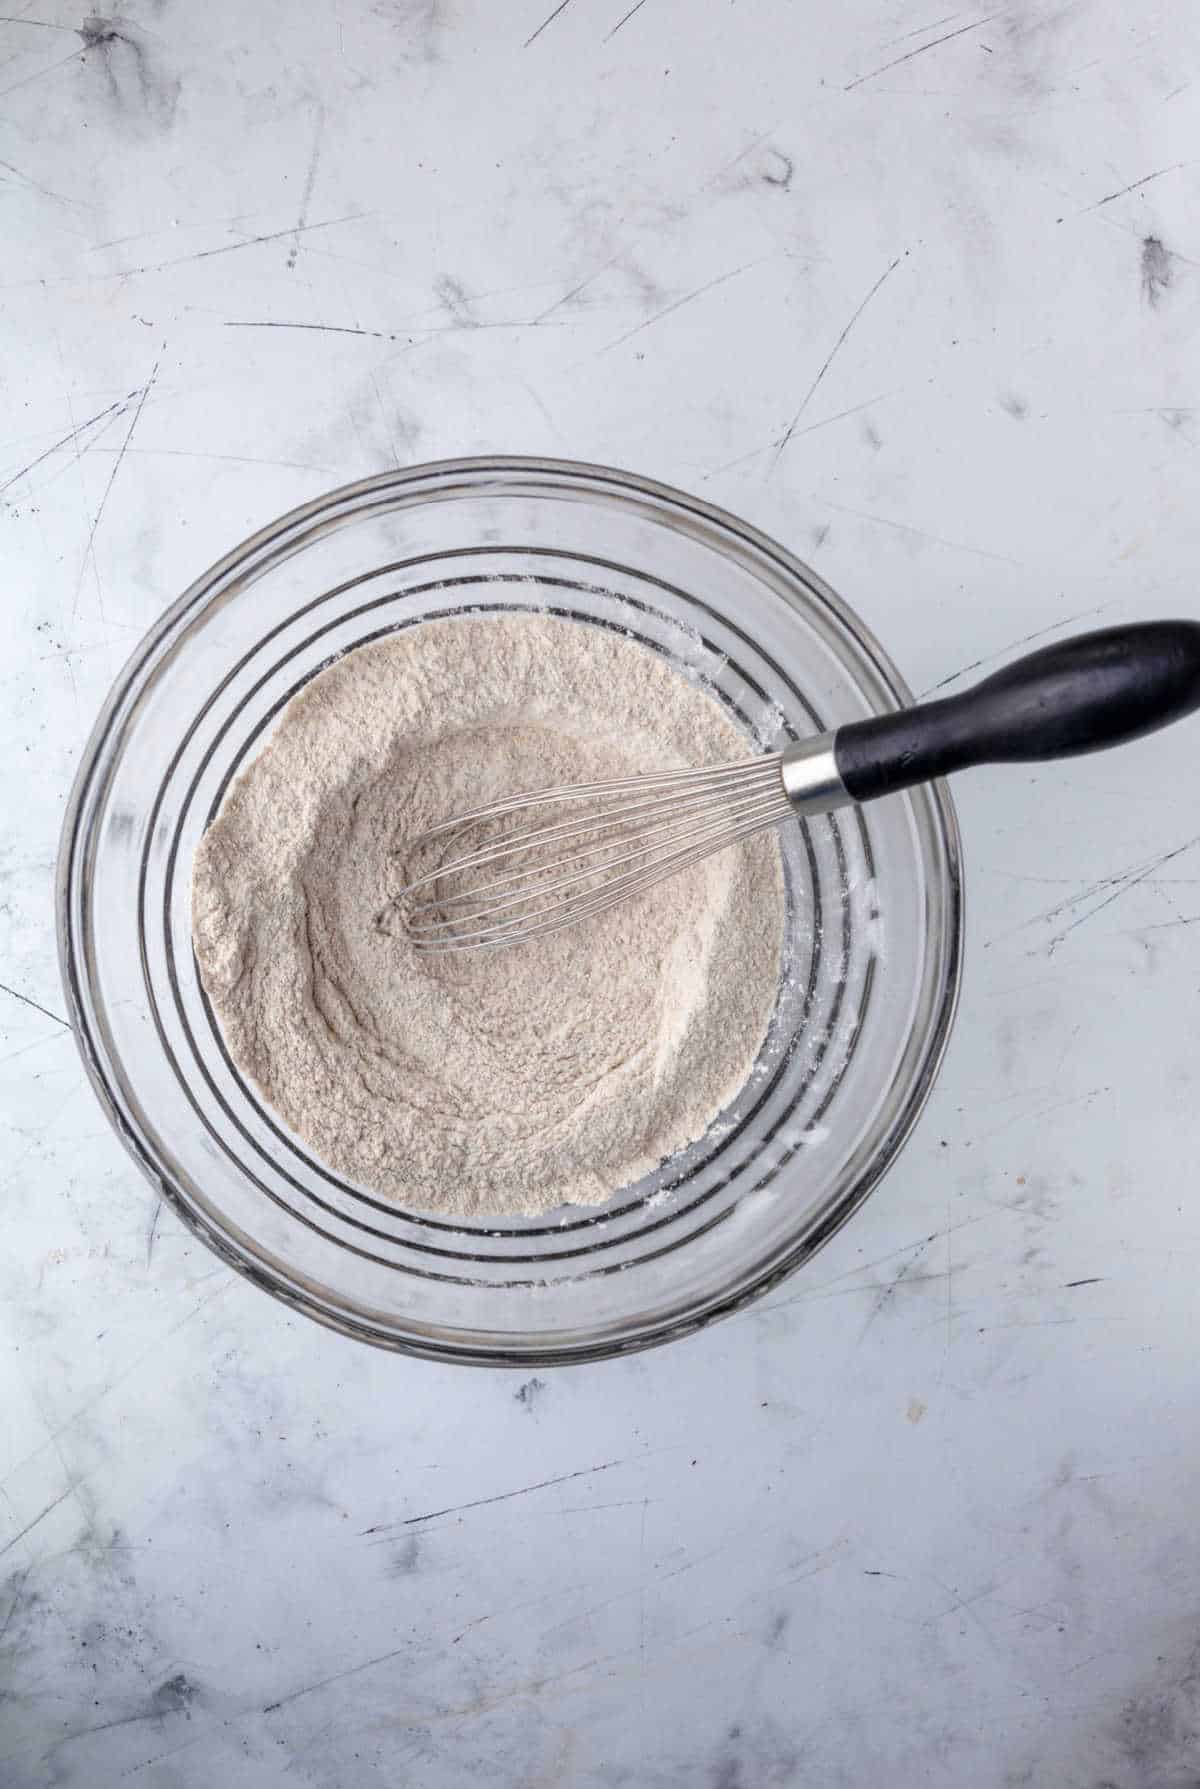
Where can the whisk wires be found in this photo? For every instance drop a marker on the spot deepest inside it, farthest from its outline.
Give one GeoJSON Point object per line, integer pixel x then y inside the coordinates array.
{"type": "Point", "coordinates": [501, 881]}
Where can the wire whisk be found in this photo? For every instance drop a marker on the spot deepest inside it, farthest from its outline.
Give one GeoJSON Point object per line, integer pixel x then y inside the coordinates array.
{"type": "Point", "coordinates": [497, 885]}
{"type": "Point", "coordinates": [502, 880]}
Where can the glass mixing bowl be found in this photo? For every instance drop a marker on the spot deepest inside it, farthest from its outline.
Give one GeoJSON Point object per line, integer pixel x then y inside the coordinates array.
{"type": "Point", "coordinates": [866, 998]}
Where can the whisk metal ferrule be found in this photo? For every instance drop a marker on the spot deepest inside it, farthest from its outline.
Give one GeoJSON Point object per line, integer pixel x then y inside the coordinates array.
{"type": "Point", "coordinates": [810, 776]}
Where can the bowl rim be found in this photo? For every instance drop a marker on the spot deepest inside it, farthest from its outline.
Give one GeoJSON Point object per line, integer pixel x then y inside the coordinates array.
{"type": "Point", "coordinates": [605, 481]}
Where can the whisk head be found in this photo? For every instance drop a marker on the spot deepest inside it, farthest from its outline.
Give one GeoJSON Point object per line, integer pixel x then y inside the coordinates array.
{"type": "Point", "coordinates": [531, 865]}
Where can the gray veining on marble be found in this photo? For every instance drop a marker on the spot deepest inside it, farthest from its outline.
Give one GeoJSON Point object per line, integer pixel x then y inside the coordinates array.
{"type": "Point", "coordinates": [917, 292]}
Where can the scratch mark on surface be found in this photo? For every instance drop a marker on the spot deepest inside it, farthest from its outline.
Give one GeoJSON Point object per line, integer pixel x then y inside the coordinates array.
{"type": "Point", "coordinates": [965, 1605]}
{"type": "Point", "coordinates": [691, 1565]}
{"type": "Point", "coordinates": [89, 553]}
{"type": "Point", "coordinates": [1173, 412]}
{"type": "Point", "coordinates": [839, 415]}
{"type": "Point", "coordinates": [35, 1004]}
{"type": "Point", "coordinates": [1142, 871]}
{"type": "Point", "coordinates": [386, 421]}
{"type": "Point", "coordinates": [562, 7]}
{"type": "Point", "coordinates": [309, 182]}
{"type": "Point", "coordinates": [323, 1682]}
{"type": "Point", "coordinates": [920, 30]}
{"type": "Point", "coordinates": [624, 20]}
{"type": "Point", "coordinates": [380, 335]}
{"type": "Point", "coordinates": [152, 1232]}
{"type": "Point", "coordinates": [809, 429]}
{"type": "Point", "coordinates": [991, 657]}
{"type": "Point", "coordinates": [546, 416]}
{"type": "Point", "coordinates": [1066, 1051]}
{"type": "Point", "coordinates": [422, 336]}
{"type": "Point", "coordinates": [727, 167]}
{"type": "Point", "coordinates": [949, 1281]}
{"type": "Point", "coordinates": [8, 18]}
{"type": "Point", "coordinates": [18, 1585]}
{"type": "Point", "coordinates": [155, 1348]}
{"type": "Point", "coordinates": [37, 187]}
{"type": "Point", "coordinates": [827, 1557]}
{"type": "Point", "coordinates": [30, 1526]}
{"type": "Point", "coordinates": [42, 73]}
{"type": "Point", "coordinates": [938, 540]}
{"type": "Point", "coordinates": [1096, 1280]}
{"type": "Point", "coordinates": [642, 1603]}
{"type": "Point", "coordinates": [837, 1288]}
{"type": "Point", "coordinates": [92, 1403]}
{"type": "Point", "coordinates": [688, 298]}
{"type": "Point", "coordinates": [574, 292]}
{"type": "Point", "coordinates": [596, 1509]}
{"type": "Point", "coordinates": [889, 1291]}
{"type": "Point", "coordinates": [828, 362]}
{"type": "Point", "coordinates": [111, 412]}
{"type": "Point", "coordinates": [510, 1609]}
{"type": "Point", "coordinates": [231, 248]}
{"type": "Point", "coordinates": [975, 25]}
{"type": "Point", "coordinates": [454, 1509]}
{"type": "Point", "coordinates": [1077, 1099]}
{"type": "Point", "coordinates": [39, 1043]}
{"type": "Point", "coordinates": [1046, 1323]}
{"type": "Point", "coordinates": [910, 1279]}
{"type": "Point", "coordinates": [155, 1713]}
{"type": "Point", "coordinates": [1134, 185]}
{"type": "Point", "coordinates": [170, 1753]}
{"type": "Point", "coordinates": [232, 459]}
{"type": "Point", "coordinates": [1124, 884]}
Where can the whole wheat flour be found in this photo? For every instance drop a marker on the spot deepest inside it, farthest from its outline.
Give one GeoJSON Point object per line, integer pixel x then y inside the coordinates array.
{"type": "Point", "coordinates": [491, 1082]}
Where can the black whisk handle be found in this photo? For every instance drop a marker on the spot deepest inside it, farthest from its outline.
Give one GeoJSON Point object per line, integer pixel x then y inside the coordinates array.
{"type": "Point", "coordinates": [1080, 695]}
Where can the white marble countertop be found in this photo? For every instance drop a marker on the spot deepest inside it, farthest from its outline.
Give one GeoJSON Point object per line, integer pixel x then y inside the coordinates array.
{"type": "Point", "coordinates": [917, 293]}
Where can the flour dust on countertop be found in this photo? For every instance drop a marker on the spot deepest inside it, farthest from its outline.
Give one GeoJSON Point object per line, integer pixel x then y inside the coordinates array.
{"type": "Point", "coordinates": [491, 1082]}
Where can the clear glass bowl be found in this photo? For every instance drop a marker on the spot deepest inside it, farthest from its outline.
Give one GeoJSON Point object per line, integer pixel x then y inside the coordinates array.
{"type": "Point", "coordinates": [865, 1003]}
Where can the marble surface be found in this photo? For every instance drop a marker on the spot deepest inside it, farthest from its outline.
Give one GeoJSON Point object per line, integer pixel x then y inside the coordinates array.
{"type": "Point", "coordinates": [917, 292]}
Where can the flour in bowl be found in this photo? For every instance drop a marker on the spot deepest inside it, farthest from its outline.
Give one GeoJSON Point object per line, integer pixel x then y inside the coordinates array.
{"type": "Point", "coordinates": [493, 1082]}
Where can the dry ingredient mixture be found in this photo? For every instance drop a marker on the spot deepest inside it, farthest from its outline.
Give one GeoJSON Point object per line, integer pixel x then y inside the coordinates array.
{"type": "Point", "coordinates": [491, 1082]}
